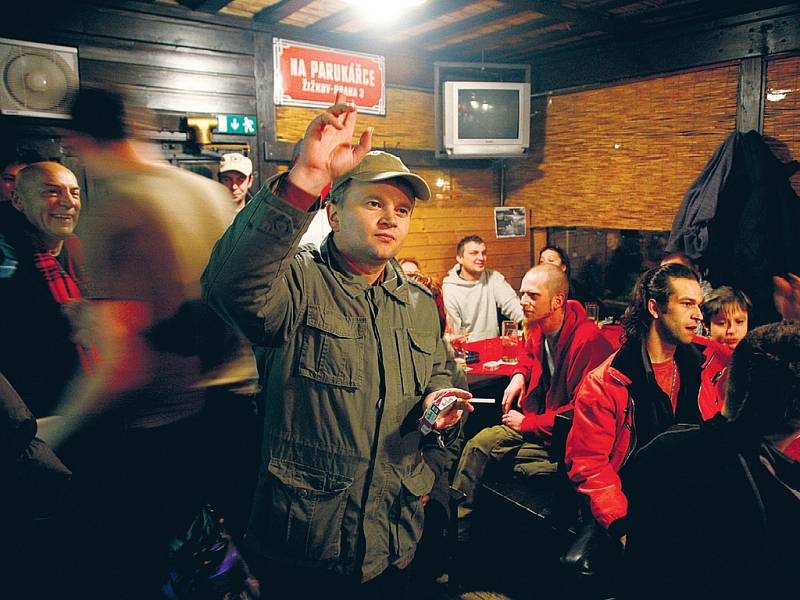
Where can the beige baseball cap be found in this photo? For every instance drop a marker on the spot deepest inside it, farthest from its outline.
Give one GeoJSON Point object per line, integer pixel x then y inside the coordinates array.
{"type": "Point", "coordinates": [236, 162]}
{"type": "Point", "coordinates": [380, 166]}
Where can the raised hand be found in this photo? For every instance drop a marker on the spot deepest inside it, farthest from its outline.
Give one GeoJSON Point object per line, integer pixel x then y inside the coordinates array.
{"type": "Point", "coordinates": [327, 151]}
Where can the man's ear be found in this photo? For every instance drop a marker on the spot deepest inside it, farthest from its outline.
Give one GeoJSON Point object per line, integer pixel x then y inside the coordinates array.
{"type": "Point", "coordinates": [558, 301]}
{"type": "Point", "coordinates": [332, 210]}
{"type": "Point", "coordinates": [652, 308]}
{"type": "Point", "coordinates": [16, 200]}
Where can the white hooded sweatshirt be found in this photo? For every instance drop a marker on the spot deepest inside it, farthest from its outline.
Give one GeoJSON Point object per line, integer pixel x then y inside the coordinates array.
{"type": "Point", "coordinates": [474, 305]}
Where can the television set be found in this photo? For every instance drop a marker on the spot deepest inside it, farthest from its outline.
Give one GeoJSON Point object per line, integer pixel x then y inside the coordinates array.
{"type": "Point", "coordinates": [486, 119]}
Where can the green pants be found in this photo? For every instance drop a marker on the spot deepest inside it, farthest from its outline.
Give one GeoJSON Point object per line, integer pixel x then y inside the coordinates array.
{"type": "Point", "coordinates": [492, 445]}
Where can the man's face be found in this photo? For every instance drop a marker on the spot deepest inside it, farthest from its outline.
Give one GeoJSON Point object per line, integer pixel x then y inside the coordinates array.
{"type": "Point", "coordinates": [7, 184]}
{"type": "Point", "coordinates": [677, 323]}
{"type": "Point", "coordinates": [729, 326]}
{"type": "Point", "coordinates": [51, 201]}
{"type": "Point", "coordinates": [238, 185]}
{"type": "Point", "coordinates": [537, 301]}
{"type": "Point", "coordinates": [371, 222]}
{"type": "Point", "coordinates": [473, 260]}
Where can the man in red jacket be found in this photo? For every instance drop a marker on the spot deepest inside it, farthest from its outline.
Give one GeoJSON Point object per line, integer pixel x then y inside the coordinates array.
{"type": "Point", "coordinates": [663, 374]}
{"type": "Point", "coordinates": [561, 346]}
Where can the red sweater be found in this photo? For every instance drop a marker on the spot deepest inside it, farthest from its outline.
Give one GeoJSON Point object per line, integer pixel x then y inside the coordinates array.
{"type": "Point", "coordinates": [580, 348]}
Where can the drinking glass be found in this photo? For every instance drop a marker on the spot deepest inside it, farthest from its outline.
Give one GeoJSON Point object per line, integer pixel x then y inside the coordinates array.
{"type": "Point", "coordinates": [509, 341]}
{"type": "Point", "coordinates": [592, 311]}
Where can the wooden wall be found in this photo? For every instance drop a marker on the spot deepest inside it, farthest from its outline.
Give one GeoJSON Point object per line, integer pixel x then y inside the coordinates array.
{"type": "Point", "coordinates": [782, 111]}
{"type": "Point", "coordinates": [623, 156]}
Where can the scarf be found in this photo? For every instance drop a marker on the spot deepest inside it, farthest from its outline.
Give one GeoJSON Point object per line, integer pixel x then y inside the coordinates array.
{"type": "Point", "coordinates": [63, 287]}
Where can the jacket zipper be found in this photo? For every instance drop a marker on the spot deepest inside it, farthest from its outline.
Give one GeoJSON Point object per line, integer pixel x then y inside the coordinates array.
{"type": "Point", "coordinates": [629, 422]}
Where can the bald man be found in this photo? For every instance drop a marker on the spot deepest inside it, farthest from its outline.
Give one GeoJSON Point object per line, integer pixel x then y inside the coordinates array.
{"type": "Point", "coordinates": [561, 346]}
{"type": "Point", "coordinates": [37, 277]}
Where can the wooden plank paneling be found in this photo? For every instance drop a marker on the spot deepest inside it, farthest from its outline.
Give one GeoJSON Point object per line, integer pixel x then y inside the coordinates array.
{"type": "Point", "coordinates": [165, 30]}
{"type": "Point", "coordinates": [408, 122]}
{"type": "Point", "coordinates": [154, 99]}
{"type": "Point", "coordinates": [782, 111]}
{"type": "Point", "coordinates": [168, 79]}
{"type": "Point", "coordinates": [156, 55]}
{"type": "Point", "coordinates": [623, 156]}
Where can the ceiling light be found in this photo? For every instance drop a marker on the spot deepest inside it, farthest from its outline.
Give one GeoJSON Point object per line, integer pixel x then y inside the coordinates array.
{"type": "Point", "coordinates": [383, 9]}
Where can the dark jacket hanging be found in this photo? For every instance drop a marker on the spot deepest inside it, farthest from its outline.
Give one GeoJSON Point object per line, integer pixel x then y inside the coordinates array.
{"type": "Point", "coordinates": [740, 220]}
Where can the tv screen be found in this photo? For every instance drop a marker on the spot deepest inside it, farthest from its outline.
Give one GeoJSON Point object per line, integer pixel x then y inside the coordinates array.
{"type": "Point", "coordinates": [488, 114]}
{"type": "Point", "coordinates": [485, 119]}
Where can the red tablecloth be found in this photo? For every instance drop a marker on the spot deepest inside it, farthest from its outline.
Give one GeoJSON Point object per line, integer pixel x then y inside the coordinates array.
{"type": "Point", "coordinates": [488, 350]}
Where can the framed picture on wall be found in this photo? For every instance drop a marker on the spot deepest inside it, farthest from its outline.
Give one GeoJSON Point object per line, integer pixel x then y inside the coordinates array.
{"type": "Point", "coordinates": [510, 221]}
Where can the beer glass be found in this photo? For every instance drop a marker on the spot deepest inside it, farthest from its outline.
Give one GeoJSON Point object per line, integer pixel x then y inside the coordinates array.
{"type": "Point", "coordinates": [510, 341]}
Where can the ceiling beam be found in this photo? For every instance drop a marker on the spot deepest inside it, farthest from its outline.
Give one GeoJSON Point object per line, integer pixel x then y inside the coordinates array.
{"type": "Point", "coordinates": [479, 44]}
{"type": "Point", "coordinates": [280, 10]}
{"type": "Point", "coordinates": [463, 26]}
{"type": "Point", "coordinates": [207, 6]}
{"type": "Point", "coordinates": [582, 18]}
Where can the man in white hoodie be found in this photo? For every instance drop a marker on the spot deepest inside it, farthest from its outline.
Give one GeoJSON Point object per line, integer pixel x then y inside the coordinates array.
{"type": "Point", "coordinates": [474, 296]}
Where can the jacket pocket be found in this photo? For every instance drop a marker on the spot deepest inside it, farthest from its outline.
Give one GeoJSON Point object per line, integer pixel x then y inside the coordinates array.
{"type": "Point", "coordinates": [332, 348]}
{"type": "Point", "coordinates": [416, 357]}
{"type": "Point", "coordinates": [307, 510]}
{"type": "Point", "coordinates": [407, 514]}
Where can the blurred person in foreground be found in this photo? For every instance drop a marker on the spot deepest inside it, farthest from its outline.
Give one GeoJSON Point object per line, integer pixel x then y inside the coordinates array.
{"type": "Point", "coordinates": [715, 508]}
{"type": "Point", "coordinates": [358, 357]}
{"type": "Point", "coordinates": [726, 315]}
{"type": "Point", "coordinates": [147, 238]}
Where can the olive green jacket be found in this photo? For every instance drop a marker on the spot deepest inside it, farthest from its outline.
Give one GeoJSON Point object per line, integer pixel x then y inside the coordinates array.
{"type": "Point", "coordinates": [342, 470]}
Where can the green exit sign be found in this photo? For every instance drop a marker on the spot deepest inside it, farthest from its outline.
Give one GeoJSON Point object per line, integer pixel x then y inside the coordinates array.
{"type": "Point", "coordinates": [241, 124]}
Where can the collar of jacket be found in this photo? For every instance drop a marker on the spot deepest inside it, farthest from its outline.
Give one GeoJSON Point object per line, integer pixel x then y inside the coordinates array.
{"type": "Point", "coordinates": [632, 363]}
{"type": "Point", "coordinates": [394, 283]}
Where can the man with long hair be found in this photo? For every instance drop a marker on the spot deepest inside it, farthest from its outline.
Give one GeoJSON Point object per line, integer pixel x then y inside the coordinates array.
{"type": "Point", "coordinates": [662, 374]}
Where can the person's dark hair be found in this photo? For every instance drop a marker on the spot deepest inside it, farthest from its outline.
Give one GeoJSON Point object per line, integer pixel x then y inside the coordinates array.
{"type": "Point", "coordinates": [763, 395]}
{"type": "Point", "coordinates": [561, 254]}
{"type": "Point", "coordinates": [653, 284]}
{"type": "Point", "coordinates": [466, 240]}
{"type": "Point", "coordinates": [723, 299]}
{"type": "Point", "coordinates": [101, 114]}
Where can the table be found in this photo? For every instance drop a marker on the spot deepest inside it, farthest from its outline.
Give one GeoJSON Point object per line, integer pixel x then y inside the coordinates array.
{"type": "Point", "coordinates": [486, 383]}
{"type": "Point", "coordinates": [489, 350]}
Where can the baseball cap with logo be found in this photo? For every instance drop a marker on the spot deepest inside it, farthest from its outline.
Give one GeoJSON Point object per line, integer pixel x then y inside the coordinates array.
{"type": "Point", "coordinates": [236, 162]}
{"type": "Point", "coordinates": [380, 166]}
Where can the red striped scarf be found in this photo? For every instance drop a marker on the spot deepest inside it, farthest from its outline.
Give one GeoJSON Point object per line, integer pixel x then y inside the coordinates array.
{"type": "Point", "coordinates": [64, 288]}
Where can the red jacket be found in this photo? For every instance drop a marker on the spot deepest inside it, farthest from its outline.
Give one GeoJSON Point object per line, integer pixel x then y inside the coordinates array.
{"type": "Point", "coordinates": [580, 348]}
{"type": "Point", "coordinates": [604, 431]}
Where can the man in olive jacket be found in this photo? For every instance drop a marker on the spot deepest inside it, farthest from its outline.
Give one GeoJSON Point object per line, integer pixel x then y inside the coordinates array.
{"type": "Point", "coordinates": [357, 358]}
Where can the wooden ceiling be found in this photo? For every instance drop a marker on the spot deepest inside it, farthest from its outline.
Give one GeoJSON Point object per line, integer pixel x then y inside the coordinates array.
{"type": "Point", "coordinates": [517, 31]}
